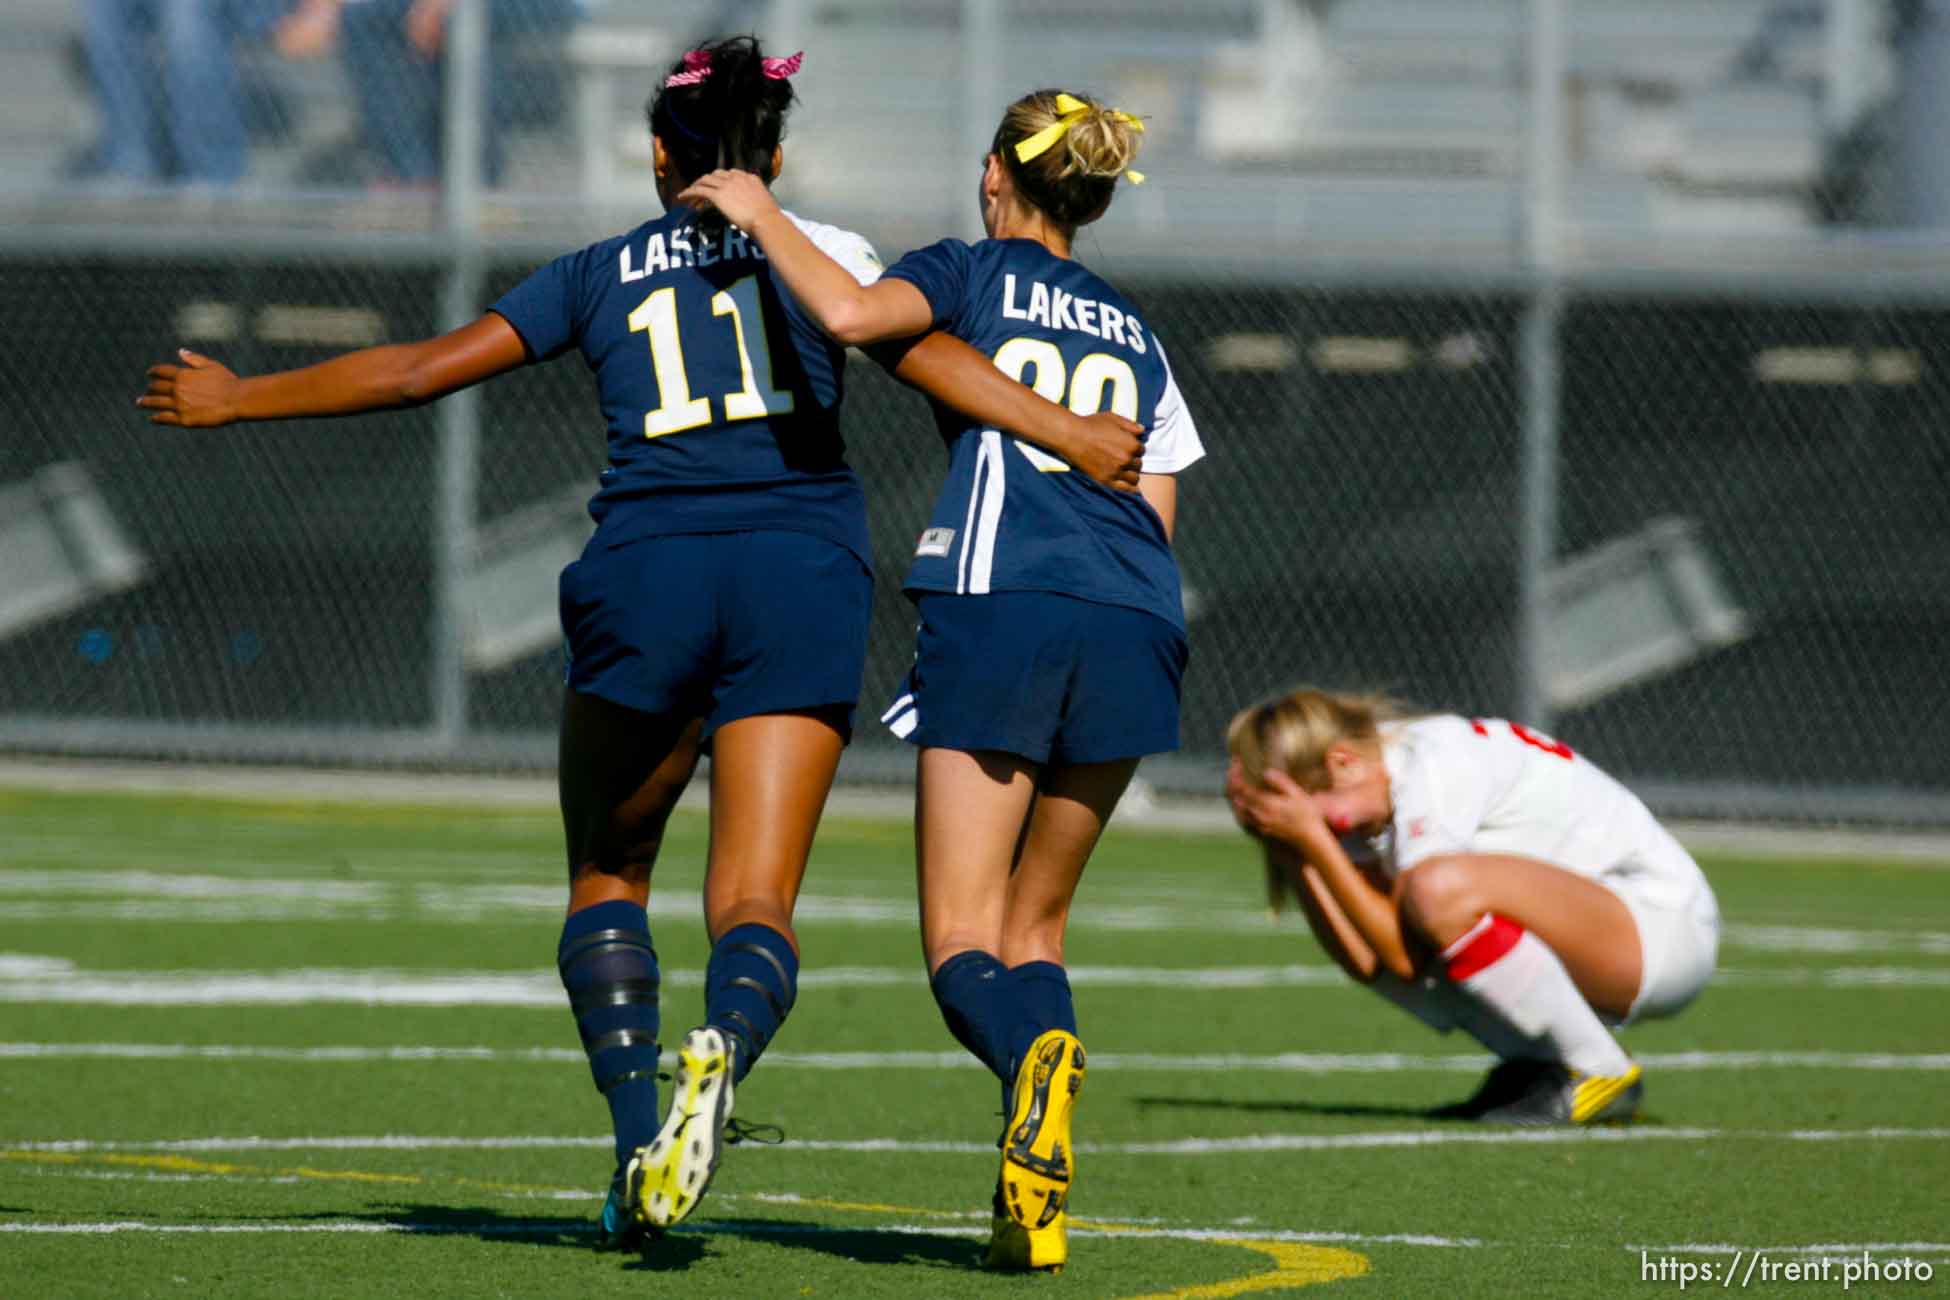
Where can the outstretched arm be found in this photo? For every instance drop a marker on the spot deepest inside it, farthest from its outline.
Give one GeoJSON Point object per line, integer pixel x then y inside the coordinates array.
{"type": "Point", "coordinates": [202, 393]}
{"type": "Point", "coordinates": [847, 310]}
{"type": "Point", "coordinates": [1104, 446]}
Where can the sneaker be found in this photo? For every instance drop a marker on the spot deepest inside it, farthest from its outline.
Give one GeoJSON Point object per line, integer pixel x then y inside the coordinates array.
{"type": "Point", "coordinates": [1557, 1094]}
{"type": "Point", "coordinates": [1037, 1161]}
{"type": "Point", "coordinates": [1016, 1249]}
{"type": "Point", "coordinates": [672, 1173]}
{"type": "Point", "coordinates": [619, 1228]}
{"type": "Point", "coordinates": [1506, 1081]}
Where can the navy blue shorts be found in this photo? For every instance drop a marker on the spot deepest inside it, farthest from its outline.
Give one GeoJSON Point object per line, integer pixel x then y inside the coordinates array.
{"type": "Point", "coordinates": [1051, 678]}
{"type": "Point", "coordinates": [720, 626]}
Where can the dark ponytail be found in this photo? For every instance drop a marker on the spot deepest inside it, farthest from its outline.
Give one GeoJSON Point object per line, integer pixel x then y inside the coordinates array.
{"type": "Point", "coordinates": [732, 116]}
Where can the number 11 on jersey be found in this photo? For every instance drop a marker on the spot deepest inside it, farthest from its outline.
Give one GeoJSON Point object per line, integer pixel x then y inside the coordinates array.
{"type": "Point", "coordinates": [678, 411]}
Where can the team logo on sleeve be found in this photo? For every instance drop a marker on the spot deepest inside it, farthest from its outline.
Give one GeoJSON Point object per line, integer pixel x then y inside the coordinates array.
{"type": "Point", "coordinates": [935, 542]}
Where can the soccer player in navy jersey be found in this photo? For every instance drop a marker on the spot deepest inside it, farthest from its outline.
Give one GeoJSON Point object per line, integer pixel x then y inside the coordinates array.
{"type": "Point", "coordinates": [1052, 633]}
{"type": "Point", "coordinates": [722, 602]}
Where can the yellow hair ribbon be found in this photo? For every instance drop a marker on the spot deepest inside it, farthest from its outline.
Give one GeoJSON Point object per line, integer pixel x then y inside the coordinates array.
{"type": "Point", "coordinates": [1070, 111]}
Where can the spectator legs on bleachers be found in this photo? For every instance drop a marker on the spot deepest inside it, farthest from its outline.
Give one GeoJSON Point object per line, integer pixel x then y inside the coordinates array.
{"type": "Point", "coordinates": [178, 120]}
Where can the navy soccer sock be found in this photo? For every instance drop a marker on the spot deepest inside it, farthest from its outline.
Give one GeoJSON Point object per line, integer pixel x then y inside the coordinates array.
{"type": "Point", "coordinates": [984, 1009]}
{"type": "Point", "coordinates": [749, 988]}
{"type": "Point", "coordinates": [1044, 988]}
{"type": "Point", "coordinates": [610, 972]}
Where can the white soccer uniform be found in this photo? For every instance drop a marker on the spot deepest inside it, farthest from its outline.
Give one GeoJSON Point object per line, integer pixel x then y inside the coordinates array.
{"type": "Point", "coordinates": [1485, 785]}
{"type": "Point", "coordinates": [854, 254]}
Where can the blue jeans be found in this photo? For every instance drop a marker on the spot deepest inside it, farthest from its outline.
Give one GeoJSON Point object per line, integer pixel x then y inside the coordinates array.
{"type": "Point", "coordinates": [400, 92]}
{"type": "Point", "coordinates": [182, 118]}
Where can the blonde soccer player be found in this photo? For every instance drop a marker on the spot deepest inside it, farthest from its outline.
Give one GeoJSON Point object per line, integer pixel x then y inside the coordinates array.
{"type": "Point", "coordinates": [1482, 876]}
{"type": "Point", "coordinates": [1052, 633]}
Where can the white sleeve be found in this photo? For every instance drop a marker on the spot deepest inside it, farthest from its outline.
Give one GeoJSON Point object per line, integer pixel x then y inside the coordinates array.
{"type": "Point", "coordinates": [1439, 805]}
{"type": "Point", "coordinates": [848, 249]}
{"type": "Point", "coordinates": [1172, 442]}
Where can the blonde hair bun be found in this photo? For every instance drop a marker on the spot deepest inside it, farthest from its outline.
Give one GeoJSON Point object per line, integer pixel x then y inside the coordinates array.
{"type": "Point", "coordinates": [1077, 147]}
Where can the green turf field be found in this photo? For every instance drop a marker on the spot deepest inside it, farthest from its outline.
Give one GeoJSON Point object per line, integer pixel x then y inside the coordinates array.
{"type": "Point", "coordinates": [253, 1049]}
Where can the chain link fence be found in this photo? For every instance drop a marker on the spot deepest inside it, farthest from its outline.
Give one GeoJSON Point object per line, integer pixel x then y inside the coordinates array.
{"type": "Point", "coordinates": [1356, 522]}
{"type": "Point", "coordinates": [1690, 516]}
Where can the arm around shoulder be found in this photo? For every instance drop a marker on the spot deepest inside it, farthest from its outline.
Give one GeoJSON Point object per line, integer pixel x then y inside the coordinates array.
{"type": "Point", "coordinates": [1105, 446]}
{"type": "Point", "coordinates": [849, 312]}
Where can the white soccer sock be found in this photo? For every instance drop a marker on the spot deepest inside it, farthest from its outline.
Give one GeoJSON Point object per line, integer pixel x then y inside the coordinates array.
{"type": "Point", "coordinates": [1443, 1006]}
{"type": "Point", "coordinates": [1514, 974]}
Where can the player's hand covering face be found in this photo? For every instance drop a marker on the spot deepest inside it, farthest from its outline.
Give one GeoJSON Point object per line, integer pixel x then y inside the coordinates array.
{"type": "Point", "coordinates": [1276, 807]}
{"type": "Point", "coordinates": [199, 394]}
{"type": "Point", "coordinates": [1236, 797]}
{"type": "Point", "coordinates": [741, 197]}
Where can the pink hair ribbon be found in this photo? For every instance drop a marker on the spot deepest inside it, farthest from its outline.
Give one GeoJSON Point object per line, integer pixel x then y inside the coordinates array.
{"type": "Point", "coordinates": [780, 69]}
{"type": "Point", "coordinates": [697, 66]}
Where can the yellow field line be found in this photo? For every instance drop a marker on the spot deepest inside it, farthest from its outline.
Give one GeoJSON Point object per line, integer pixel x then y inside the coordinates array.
{"type": "Point", "coordinates": [177, 1164]}
{"type": "Point", "coordinates": [1294, 1264]}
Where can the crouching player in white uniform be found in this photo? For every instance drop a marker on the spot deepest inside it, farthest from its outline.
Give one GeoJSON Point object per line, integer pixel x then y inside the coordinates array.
{"type": "Point", "coordinates": [1505, 885]}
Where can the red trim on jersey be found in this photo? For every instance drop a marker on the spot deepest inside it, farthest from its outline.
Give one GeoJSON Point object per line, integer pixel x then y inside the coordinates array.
{"type": "Point", "coordinates": [1476, 725]}
{"type": "Point", "coordinates": [1482, 947]}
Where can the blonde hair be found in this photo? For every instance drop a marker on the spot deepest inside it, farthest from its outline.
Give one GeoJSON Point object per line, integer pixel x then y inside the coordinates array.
{"type": "Point", "coordinates": [1292, 732]}
{"type": "Point", "coordinates": [1072, 181]}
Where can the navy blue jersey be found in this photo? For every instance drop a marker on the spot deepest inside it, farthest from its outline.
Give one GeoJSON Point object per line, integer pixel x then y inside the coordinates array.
{"type": "Point", "coordinates": [720, 394]}
{"type": "Point", "coordinates": [1012, 517]}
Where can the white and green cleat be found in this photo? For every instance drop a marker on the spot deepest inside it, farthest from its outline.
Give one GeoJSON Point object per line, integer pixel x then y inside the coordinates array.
{"type": "Point", "coordinates": [670, 1175]}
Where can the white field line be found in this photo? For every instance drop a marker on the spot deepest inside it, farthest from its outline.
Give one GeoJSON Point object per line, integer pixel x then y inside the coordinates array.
{"type": "Point", "coordinates": [37, 895]}
{"type": "Point", "coordinates": [468, 791]}
{"type": "Point", "coordinates": [1097, 1224]}
{"type": "Point", "coordinates": [1251, 1144]}
{"type": "Point", "coordinates": [185, 885]}
{"type": "Point", "coordinates": [27, 978]}
{"type": "Point", "coordinates": [145, 1176]}
{"type": "Point", "coordinates": [1164, 1063]}
{"type": "Point", "coordinates": [1803, 938]}
{"type": "Point", "coordinates": [192, 895]}
{"type": "Point", "coordinates": [485, 1228]}
{"type": "Point", "coordinates": [555, 1228]}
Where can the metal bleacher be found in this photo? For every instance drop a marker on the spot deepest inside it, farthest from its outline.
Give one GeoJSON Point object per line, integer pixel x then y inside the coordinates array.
{"type": "Point", "coordinates": [1360, 121]}
{"type": "Point", "coordinates": [1357, 121]}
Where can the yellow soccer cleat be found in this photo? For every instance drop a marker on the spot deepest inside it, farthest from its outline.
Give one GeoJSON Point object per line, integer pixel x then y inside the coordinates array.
{"type": "Point", "coordinates": [1599, 1098]}
{"type": "Point", "coordinates": [1558, 1094]}
{"type": "Point", "coordinates": [1038, 1163]}
{"type": "Point", "coordinates": [671, 1174]}
{"type": "Point", "coordinates": [1016, 1249]}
